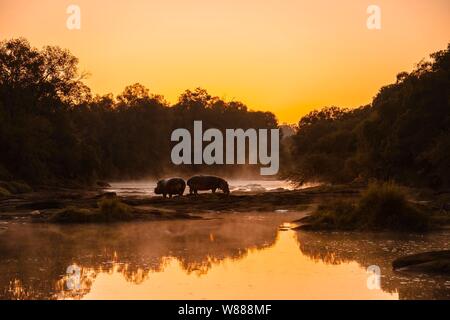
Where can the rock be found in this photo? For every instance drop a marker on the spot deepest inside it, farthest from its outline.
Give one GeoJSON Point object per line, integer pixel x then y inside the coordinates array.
{"type": "Point", "coordinates": [428, 262]}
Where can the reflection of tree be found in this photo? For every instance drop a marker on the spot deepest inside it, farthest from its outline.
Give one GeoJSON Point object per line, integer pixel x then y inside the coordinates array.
{"type": "Point", "coordinates": [380, 249]}
{"type": "Point", "coordinates": [35, 259]}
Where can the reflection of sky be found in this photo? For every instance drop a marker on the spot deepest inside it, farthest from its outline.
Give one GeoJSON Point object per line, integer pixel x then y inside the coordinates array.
{"type": "Point", "coordinates": [232, 255]}
{"type": "Point", "coordinates": [277, 272]}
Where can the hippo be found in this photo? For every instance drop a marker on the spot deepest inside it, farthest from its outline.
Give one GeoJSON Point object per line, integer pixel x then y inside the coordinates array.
{"type": "Point", "coordinates": [170, 187]}
{"type": "Point", "coordinates": [203, 183]}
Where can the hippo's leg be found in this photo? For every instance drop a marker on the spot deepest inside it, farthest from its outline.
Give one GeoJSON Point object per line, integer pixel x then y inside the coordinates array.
{"type": "Point", "coordinates": [170, 196]}
{"type": "Point", "coordinates": [214, 190]}
{"type": "Point", "coordinates": [195, 191]}
{"type": "Point", "coordinates": [164, 195]}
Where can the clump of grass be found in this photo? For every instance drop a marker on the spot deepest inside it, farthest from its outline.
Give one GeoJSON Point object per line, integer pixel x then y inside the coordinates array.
{"type": "Point", "coordinates": [75, 215]}
{"type": "Point", "coordinates": [109, 210]}
{"type": "Point", "coordinates": [339, 215]}
{"type": "Point", "coordinates": [383, 206]}
{"type": "Point", "coordinates": [112, 209]}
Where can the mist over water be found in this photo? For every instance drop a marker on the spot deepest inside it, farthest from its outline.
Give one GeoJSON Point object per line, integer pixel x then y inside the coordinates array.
{"type": "Point", "coordinates": [227, 256]}
{"type": "Point", "coordinates": [146, 187]}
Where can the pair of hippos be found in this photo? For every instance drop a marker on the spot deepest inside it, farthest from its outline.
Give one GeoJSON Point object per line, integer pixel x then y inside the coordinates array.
{"type": "Point", "coordinates": [176, 186]}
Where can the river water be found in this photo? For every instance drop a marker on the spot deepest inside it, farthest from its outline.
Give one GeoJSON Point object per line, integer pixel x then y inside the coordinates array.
{"type": "Point", "coordinates": [226, 256]}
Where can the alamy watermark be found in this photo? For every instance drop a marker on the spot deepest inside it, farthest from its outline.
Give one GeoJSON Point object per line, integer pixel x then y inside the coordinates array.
{"type": "Point", "coordinates": [73, 281]}
{"type": "Point", "coordinates": [259, 151]}
{"type": "Point", "coordinates": [374, 19]}
{"type": "Point", "coordinates": [73, 21]}
{"type": "Point", "coordinates": [374, 279]}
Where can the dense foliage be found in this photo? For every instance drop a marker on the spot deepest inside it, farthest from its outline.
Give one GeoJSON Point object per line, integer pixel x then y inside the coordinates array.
{"type": "Point", "coordinates": [52, 129]}
{"type": "Point", "coordinates": [404, 135]}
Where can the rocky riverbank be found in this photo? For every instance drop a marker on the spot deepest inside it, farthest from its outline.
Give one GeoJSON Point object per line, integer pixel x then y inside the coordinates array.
{"type": "Point", "coordinates": [64, 204]}
{"type": "Point", "coordinates": [42, 205]}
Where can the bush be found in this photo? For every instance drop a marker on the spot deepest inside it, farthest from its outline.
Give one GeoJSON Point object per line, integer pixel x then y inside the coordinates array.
{"type": "Point", "coordinates": [381, 207]}
{"type": "Point", "coordinates": [113, 209]}
{"type": "Point", "coordinates": [335, 216]}
{"type": "Point", "coordinates": [75, 215]}
{"type": "Point", "coordinates": [385, 206]}
{"type": "Point", "coordinates": [110, 210]}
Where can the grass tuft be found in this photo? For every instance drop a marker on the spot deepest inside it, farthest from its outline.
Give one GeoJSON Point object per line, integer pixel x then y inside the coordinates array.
{"type": "Point", "coordinates": [109, 210]}
{"type": "Point", "coordinates": [383, 206]}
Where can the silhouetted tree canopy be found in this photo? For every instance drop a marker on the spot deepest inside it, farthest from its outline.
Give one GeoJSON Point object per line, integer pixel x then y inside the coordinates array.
{"type": "Point", "coordinates": [403, 135]}
{"type": "Point", "coordinates": [53, 130]}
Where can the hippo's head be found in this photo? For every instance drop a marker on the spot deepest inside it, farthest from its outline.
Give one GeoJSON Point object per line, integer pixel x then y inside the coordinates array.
{"type": "Point", "coordinates": [224, 187]}
{"type": "Point", "coordinates": [159, 188]}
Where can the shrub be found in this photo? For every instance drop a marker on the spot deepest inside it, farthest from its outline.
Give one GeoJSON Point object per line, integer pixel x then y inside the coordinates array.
{"type": "Point", "coordinates": [385, 206]}
{"type": "Point", "coordinates": [74, 215]}
{"type": "Point", "coordinates": [338, 215]}
{"type": "Point", "coordinates": [110, 210]}
{"type": "Point", "coordinates": [113, 209]}
{"type": "Point", "coordinates": [381, 207]}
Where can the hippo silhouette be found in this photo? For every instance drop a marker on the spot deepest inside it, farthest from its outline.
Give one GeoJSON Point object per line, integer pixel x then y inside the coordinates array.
{"type": "Point", "coordinates": [170, 187]}
{"type": "Point", "coordinates": [204, 183]}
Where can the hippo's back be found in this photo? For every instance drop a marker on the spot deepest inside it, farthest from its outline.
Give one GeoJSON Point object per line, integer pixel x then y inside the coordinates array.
{"type": "Point", "coordinates": [176, 184]}
{"type": "Point", "coordinates": [204, 182]}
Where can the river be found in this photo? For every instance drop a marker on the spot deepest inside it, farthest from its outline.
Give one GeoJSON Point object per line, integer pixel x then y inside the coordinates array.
{"type": "Point", "coordinates": [254, 255]}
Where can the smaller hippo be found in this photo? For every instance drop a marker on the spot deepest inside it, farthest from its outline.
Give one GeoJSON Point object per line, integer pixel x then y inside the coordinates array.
{"type": "Point", "coordinates": [204, 183]}
{"type": "Point", "coordinates": [170, 187]}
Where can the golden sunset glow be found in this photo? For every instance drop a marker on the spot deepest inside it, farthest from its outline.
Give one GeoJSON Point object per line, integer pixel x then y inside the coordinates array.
{"type": "Point", "coordinates": [287, 57]}
{"type": "Point", "coordinates": [298, 282]}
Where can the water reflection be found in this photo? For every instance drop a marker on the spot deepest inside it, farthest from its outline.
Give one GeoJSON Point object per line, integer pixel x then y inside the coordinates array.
{"type": "Point", "coordinates": [236, 256]}
{"type": "Point", "coordinates": [368, 249]}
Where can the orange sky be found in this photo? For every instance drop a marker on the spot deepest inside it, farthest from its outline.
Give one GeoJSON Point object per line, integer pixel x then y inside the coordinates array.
{"type": "Point", "coordinates": [284, 56]}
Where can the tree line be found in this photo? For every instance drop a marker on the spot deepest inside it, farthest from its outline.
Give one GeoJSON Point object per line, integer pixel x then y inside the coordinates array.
{"type": "Point", "coordinates": [403, 135]}
{"type": "Point", "coordinates": [53, 129]}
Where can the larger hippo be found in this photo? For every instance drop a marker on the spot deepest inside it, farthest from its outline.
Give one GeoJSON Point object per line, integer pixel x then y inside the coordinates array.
{"type": "Point", "coordinates": [204, 183]}
{"type": "Point", "coordinates": [170, 187]}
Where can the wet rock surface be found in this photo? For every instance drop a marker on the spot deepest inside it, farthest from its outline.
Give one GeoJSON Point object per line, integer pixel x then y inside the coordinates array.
{"type": "Point", "coordinates": [427, 262]}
